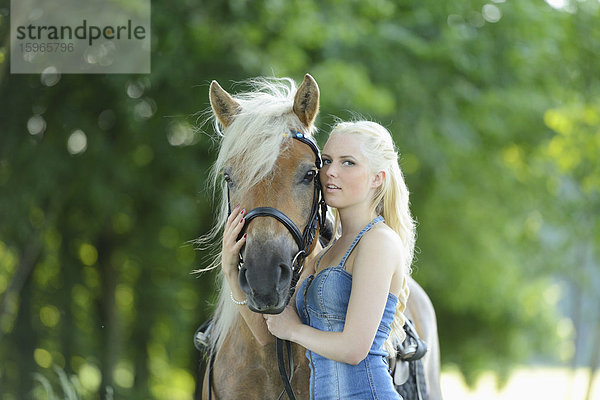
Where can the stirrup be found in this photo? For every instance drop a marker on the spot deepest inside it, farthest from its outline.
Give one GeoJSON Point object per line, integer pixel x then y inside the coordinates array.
{"type": "Point", "coordinates": [413, 348]}
{"type": "Point", "coordinates": [202, 336]}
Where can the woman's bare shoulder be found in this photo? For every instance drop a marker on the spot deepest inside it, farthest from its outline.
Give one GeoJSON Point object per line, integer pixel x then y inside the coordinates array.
{"type": "Point", "coordinates": [381, 239]}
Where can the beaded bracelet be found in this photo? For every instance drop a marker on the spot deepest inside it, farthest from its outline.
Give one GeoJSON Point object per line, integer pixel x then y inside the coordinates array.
{"type": "Point", "coordinates": [239, 303]}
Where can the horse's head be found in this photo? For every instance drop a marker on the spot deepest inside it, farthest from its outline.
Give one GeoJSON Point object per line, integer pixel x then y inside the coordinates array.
{"type": "Point", "coordinates": [273, 176]}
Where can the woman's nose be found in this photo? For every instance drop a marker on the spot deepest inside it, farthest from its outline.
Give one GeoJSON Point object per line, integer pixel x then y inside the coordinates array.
{"type": "Point", "coordinates": [330, 170]}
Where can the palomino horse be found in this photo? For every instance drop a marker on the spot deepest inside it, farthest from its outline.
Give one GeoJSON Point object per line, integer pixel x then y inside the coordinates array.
{"type": "Point", "coordinates": [261, 165]}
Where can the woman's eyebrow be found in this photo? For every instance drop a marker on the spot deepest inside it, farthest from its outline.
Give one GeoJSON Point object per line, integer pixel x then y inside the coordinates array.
{"type": "Point", "coordinates": [345, 156]}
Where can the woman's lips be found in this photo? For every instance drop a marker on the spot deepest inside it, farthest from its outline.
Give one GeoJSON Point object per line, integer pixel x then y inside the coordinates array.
{"type": "Point", "coordinates": [332, 188]}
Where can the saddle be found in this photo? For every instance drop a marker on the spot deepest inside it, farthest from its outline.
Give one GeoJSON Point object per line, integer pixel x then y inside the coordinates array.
{"type": "Point", "coordinates": [407, 367]}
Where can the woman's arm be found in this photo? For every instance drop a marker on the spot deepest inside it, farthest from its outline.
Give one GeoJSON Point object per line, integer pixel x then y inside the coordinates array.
{"type": "Point", "coordinates": [229, 265]}
{"type": "Point", "coordinates": [374, 267]}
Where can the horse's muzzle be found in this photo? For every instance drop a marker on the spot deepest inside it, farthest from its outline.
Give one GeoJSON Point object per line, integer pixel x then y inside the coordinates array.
{"type": "Point", "coordinates": [266, 284]}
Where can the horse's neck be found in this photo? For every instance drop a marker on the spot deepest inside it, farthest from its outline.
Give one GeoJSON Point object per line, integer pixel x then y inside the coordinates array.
{"type": "Point", "coordinates": [242, 337]}
{"type": "Point", "coordinates": [245, 369]}
{"type": "Point", "coordinates": [240, 346]}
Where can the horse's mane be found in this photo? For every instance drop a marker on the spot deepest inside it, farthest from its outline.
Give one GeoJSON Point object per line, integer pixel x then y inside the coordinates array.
{"type": "Point", "coordinates": [249, 147]}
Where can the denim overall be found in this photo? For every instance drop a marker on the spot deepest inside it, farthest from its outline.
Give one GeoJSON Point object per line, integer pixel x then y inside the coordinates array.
{"type": "Point", "coordinates": [322, 302]}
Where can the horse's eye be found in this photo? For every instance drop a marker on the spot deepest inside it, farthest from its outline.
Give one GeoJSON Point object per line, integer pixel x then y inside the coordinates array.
{"type": "Point", "coordinates": [310, 175]}
{"type": "Point", "coordinates": [227, 177]}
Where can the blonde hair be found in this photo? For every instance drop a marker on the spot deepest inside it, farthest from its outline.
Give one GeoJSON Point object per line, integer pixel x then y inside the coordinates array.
{"type": "Point", "coordinates": [390, 201]}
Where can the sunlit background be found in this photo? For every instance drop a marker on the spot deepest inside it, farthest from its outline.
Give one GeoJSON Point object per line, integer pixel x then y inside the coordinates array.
{"type": "Point", "coordinates": [494, 106]}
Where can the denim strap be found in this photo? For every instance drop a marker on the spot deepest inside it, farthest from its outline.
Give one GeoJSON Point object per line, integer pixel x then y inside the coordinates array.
{"type": "Point", "coordinates": [377, 219]}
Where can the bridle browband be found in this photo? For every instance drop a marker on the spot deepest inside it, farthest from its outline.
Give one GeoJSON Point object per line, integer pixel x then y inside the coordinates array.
{"type": "Point", "coordinates": [304, 240]}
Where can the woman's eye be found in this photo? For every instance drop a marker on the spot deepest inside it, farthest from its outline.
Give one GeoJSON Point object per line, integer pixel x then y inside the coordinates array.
{"type": "Point", "coordinates": [326, 161]}
{"type": "Point", "coordinates": [310, 175]}
{"type": "Point", "coordinates": [348, 162]}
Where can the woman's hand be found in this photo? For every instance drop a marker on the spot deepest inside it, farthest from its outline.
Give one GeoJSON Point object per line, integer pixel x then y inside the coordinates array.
{"type": "Point", "coordinates": [284, 324]}
{"type": "Point", "coordinates": [231, 246]}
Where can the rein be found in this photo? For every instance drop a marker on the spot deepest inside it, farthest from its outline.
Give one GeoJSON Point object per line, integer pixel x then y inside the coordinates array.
{"type": "Point", "coordinates": [304, 240]}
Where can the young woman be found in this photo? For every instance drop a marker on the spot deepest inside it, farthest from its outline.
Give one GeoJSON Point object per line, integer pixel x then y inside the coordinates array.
{"type": "Point", "coordinates": [348, 310]}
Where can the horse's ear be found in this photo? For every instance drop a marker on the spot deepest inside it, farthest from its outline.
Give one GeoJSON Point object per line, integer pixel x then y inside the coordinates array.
{"type": "Point", "coordinates": [306, 101]}
{"type": "Point", "coordinates": [223, 105]}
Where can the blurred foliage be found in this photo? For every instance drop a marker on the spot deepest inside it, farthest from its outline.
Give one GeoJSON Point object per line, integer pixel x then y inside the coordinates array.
{"type": "Point", "coordinates": [493, 106]}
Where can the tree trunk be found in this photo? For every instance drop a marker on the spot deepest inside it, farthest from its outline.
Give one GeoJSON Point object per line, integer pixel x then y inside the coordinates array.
{"type": "Point", "coordinates": [10, 301]}
{"type": "Point", "coordinates": [109, 315]}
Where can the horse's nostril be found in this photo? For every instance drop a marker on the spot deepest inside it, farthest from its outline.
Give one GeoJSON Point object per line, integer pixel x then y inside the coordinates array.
{"type": "Point", "coordinates": [243, 280]}
{"type": "Point", "coordinates": [285, 272]}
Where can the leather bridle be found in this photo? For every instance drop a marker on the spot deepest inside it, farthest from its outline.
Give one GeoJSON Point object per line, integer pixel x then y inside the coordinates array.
{"type": "Point", "coordinates": [304, 241]}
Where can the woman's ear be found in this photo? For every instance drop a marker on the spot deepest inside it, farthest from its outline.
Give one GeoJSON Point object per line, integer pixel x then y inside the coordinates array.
{"type": "Point", "coordinates": [378, 179]}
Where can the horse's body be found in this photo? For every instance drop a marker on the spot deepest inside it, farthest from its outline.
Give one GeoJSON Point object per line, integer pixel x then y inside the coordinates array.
{"type": "Point", "coordinates": [420, 310]}
{"type": "Point", "coordinates": [243, 367]}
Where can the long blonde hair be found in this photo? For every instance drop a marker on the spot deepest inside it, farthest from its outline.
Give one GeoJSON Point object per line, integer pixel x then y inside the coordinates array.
{"type": "Point", "coordinates": [390, 201]}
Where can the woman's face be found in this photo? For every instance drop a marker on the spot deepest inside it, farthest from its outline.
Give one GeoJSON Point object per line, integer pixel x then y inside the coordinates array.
{"type": "Point", "coordinates": [345, 177]}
